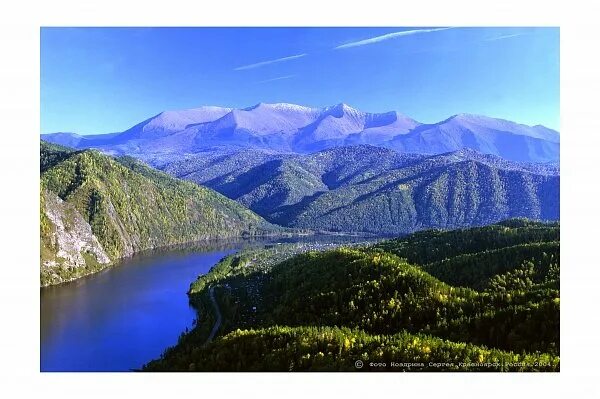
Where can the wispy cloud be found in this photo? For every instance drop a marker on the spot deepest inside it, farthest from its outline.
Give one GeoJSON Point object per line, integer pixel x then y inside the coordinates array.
{"type": "Point", "coordinates": [277, 78]}
{"type": "Point", "coordinates": [263, 63]}
{"type": "Point", "coordinates": [388, 36]}
{"type": "Point", "coordinates": [491, 39]}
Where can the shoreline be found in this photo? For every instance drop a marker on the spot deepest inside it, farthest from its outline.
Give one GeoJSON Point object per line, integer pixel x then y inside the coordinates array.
{"type": "Point", "coordinates": [214, 240]}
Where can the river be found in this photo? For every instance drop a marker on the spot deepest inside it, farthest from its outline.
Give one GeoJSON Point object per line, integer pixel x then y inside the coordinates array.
{"type": "Point", "coordinates": [127, 315]}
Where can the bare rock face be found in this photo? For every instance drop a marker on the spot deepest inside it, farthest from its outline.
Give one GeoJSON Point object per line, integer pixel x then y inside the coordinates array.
{"type": "Point", "coordinates": [68, 242]}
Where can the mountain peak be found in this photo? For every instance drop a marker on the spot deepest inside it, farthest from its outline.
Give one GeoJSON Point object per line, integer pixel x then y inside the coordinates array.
{"type": "Point", "coordinates": [340, 110]}
{"type": "Point", "coordinates": [468, 117]}
{"type": "Point", "coordinates": [476, 118]}
{"type": "Point", "coordinates": [344, 107]}
{"type": "Point", "coordinates": [290, 127]}
{"type": "Point", "coordinates": [280, 107]}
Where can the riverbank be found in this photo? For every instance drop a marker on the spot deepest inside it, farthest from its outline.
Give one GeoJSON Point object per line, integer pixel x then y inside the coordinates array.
{"type": "Point", "coordinates": [56, 275]}
{"type": "Point", "coordinates": [127, 315]}
{"type": "Point", "coordinates": [222, 305]}
{"type": "Point", "coordinates": [490, 294]}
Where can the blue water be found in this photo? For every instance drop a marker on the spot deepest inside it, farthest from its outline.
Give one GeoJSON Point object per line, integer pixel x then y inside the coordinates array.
{"type": "Point", "coordinates": [123, 317]}
{"type": "Point", "coordinates": [127, 315]}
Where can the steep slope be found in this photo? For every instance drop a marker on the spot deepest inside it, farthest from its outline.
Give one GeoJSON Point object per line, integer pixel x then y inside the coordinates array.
{"type": "Point", "coordinates": [382, 128]}
{"type": "Point", "coordinates": [68, 247]}
{"type": "Point", "coordinates": [169, 122]}
{"type": "Point", "coordinates": [343, 125]}
{"type": "Point", "coordinates": [471, 257]}
{"type": "Point", "coordinates": [458, 195]}
{"type": "Point", "coordinates": [52, 154]}
{"type": "Point", "coordinates": [333, 305]}
{"type": "Point", "coordinates": [129, 207]}
{"type": "Point", "coordinates": [377, 190]}
{"type": "Point", "coordinates": [294, 128]}
{"type": "Point", "coordinates": [265, 181]}
{"type": "Point", "coordinates": [73, 140]}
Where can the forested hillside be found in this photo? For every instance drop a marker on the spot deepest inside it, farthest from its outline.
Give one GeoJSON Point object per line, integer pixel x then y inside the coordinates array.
{"type": "Point", "coordinates": [377, 190]}
{"type": "Point", "coordinates": [470, 257]}
{"type": "Point", "coordinates": [96, 209]}
{"type": "Point", "coordinates": [395, 301]}
{"type": "Point", "coordinates": [51, 154]}
{"type": "Point", "coordinates": [338, 349]}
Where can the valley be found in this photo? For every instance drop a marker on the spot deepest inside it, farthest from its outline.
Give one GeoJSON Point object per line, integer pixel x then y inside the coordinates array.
{"type": "Point", "coordinates": [268, 198]}
{"type": "Point", "coordinates": [128, 314]}
{"type": "Point", "coordinates": [365, 237]}
{"type": "Point", "coordinates": [96, 209]}
{"type": "Point", "coordinates": [343, 170]}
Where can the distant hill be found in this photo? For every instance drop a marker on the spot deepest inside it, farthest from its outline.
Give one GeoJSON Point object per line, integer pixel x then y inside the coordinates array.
{"type": "Point", "coordinates": [377, 190]}
{"type": "Point", "coordinates": [293, 128]}
{"type": "Point", "coordinates": [96, 209]}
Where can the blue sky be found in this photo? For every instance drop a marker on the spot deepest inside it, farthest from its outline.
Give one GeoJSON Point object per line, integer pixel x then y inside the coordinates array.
{"type": "Point", "coordinates": [102, 80]}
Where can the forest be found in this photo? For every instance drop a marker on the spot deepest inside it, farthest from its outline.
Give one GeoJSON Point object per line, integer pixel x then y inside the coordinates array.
{"type": "Point", "coordinates": [486, 295]}
{"type": "Point", "coordinates": [371, 189]}
{"type": "Point", "coordinates": [95, 209]}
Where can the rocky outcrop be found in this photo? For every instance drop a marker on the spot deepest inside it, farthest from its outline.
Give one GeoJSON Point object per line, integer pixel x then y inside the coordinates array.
{"type": "Point", "coordinates": [69, 248]}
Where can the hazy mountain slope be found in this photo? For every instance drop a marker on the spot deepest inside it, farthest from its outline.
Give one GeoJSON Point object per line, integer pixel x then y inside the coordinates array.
{"type": "Point", "coordinates": [341, 125]}
{"type": "Point", "coordinates": [377, 190]}
{"type": "Point", "coordinates": [294, 128]}
{"type": "Point", "coordinates": [130, 207]}
{"type": "Point", "coordinates": [250, 175]}
{"type": "Point", "coordinates": [383, 128]}
{"type": "Point", "coordinates": [260, 120]}
{"type": "Point", "coordinates": [458, 195]}
{"type": "Point", "coordinates": [169, 122]}
{"type": "Point", "coordinates": [74, 140]}
{"type": "Point", "coordinates": [64, 139]}
{"type": "Point", "coordinates": [506, 139]}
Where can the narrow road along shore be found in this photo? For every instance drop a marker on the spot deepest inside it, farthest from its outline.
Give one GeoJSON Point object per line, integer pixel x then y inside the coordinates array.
{"type": "Point", "coordinates": [217, 325]}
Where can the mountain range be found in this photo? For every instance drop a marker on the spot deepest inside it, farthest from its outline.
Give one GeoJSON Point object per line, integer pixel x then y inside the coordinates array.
{"type": "Point", "coordinates": [217, 172]}
{"type": "Point", "coordinates": [377, 190]}
{"type": "Point", "coordinates": [298, 129]}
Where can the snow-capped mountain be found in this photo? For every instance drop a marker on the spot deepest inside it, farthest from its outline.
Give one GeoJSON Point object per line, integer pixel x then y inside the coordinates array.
{"type": "Point", "coordinates": [487, 135]}
{"type": "Point", "coordinates": [294, 128]}
{"type": "Point", "coordinates": [169, 122]}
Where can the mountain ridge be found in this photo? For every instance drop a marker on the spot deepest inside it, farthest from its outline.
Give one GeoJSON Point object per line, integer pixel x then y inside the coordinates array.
{"type": "Point", "coordinates": [286, 127]}
{"type": "Point", "coordinates": [95, 209]}
{"type": "Point", "coordinates": [377, 190]}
